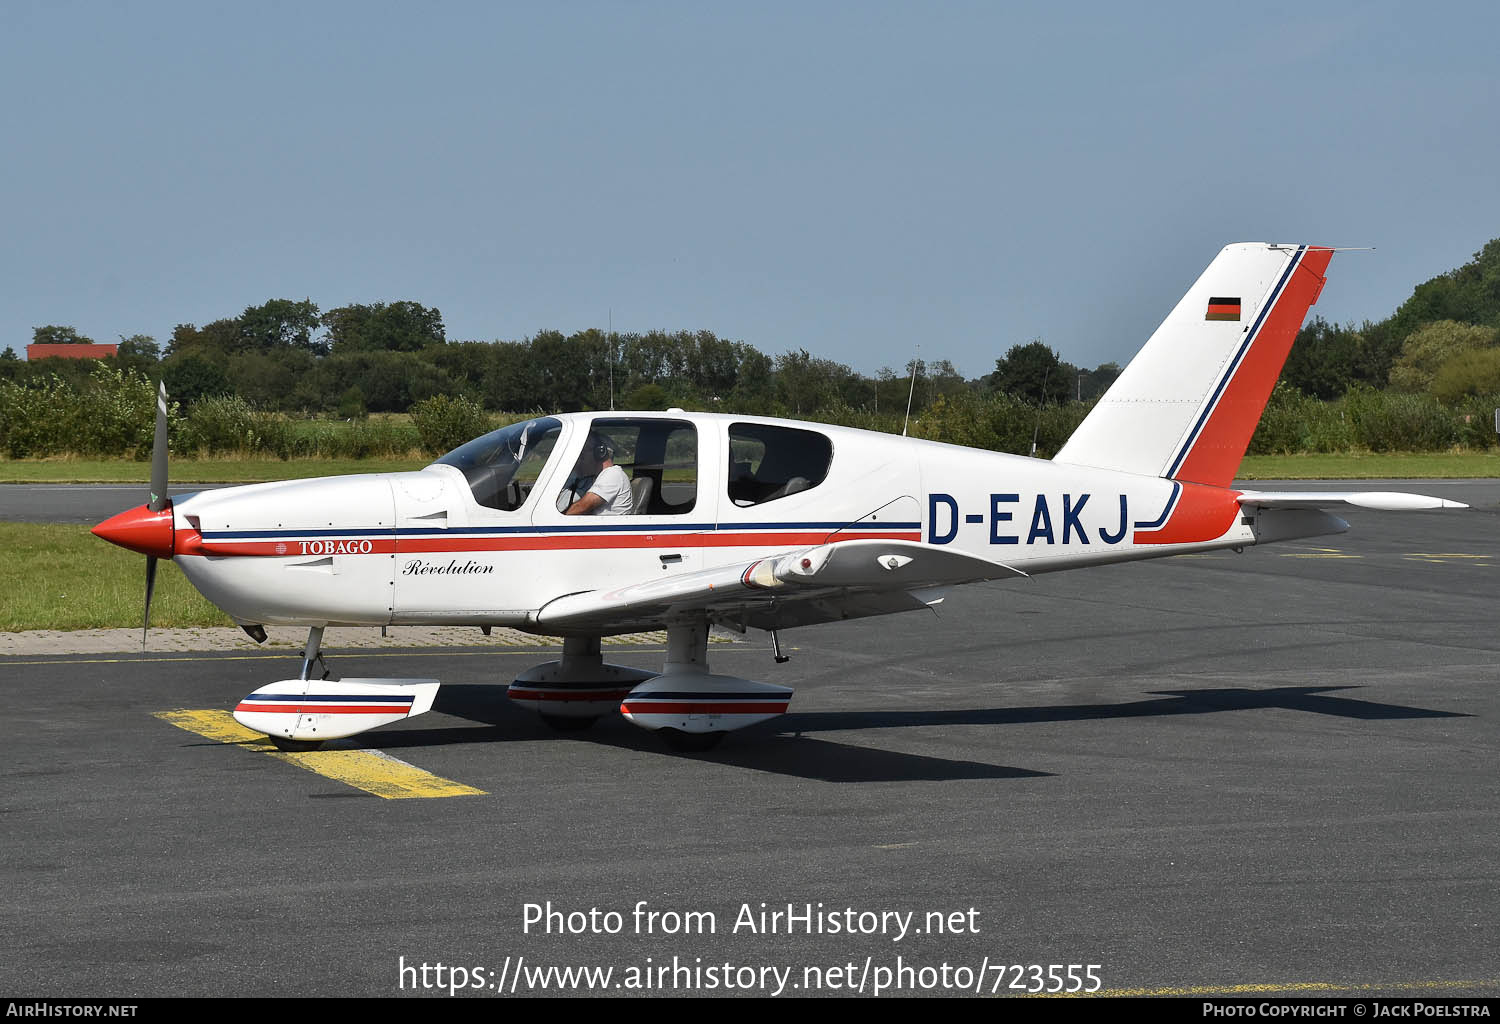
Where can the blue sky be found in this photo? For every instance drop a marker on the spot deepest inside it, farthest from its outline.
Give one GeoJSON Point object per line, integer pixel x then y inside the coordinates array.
{"type": "Point", "coordinates": [854, 179]}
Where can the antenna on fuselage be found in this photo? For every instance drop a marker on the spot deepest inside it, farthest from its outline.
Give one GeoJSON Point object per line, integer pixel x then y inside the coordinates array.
{"type": "Point", "coordinates": [915, 362]}
{"type": "Point", "coordinates": [611, 359]}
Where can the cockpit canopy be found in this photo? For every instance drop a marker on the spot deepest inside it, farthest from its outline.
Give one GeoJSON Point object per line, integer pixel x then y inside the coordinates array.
{"type": "Point", "coordinates": [502, 466]}
{"type": "Point", "coordinates": [659, 457]}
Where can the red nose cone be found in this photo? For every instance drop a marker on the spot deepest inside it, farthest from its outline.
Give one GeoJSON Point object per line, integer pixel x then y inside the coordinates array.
{"type": "Point", "coordinates": [140, 529]}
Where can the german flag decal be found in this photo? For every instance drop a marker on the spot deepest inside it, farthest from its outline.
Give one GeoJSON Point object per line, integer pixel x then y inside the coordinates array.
{"type": "Point", "coordinates": [1223, 309]}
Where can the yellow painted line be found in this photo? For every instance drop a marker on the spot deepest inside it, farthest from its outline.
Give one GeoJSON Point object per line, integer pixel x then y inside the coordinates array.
{"type": "Point", "coordinates": [1321, 555]}
{"type": "Point", "coordinates": [896, 846]}
{"type": "Point", "coordinates": [1295, 986]}
{"type": "Point", "coordinates": [370, 770]}
{"type": "Point", "coordinates": [1443, 554]}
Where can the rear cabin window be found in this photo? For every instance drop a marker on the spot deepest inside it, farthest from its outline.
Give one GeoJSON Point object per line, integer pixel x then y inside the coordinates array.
{"type": "Point", "coordinates": [769, 462]}
{"type": "Point", "coordinates": [659, 456]}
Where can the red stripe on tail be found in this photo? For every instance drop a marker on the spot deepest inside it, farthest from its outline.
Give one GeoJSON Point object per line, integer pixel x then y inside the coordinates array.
{"type": "Point", "coordinates": [1216, 454]}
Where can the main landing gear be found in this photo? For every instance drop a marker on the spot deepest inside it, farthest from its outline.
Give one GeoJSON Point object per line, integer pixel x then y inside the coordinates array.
{"type": "Point", "coordinates": [574, 693]}
{"type": "Point", "coordinates": [691, 707]}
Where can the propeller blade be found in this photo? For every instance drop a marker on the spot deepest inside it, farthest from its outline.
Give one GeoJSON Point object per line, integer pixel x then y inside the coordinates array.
{"type": "Point", "coordinates": [158, 499]}
{"type": "Point", "coordinates": [150, 586]}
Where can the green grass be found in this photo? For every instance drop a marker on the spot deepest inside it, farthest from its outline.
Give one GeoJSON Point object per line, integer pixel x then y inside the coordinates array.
{"type": "Point", "coordinates": [1372, 466]}
{"type": "Point", "coordinates": [59, 576]}
{"type": "Point", "coordinates": [192, 471]}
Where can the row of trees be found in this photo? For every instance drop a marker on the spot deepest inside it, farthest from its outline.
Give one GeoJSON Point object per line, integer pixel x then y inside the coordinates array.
{"type": "Point", "coordinates": [285, 355]}
{"type": "Point", "coordinates": [1444, 341]}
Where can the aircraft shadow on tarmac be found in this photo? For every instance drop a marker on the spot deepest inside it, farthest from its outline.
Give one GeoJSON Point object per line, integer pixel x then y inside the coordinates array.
{"type": "Point", "coordinates": [769, 749]}
{"type": "Point", "coordinates": [1311, 699]}
{"type": "Point", "coordinates": [783, 747]}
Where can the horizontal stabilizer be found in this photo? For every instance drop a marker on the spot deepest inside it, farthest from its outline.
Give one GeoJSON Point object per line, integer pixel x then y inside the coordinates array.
{"type": "Point", "coordinates": [1385, 501]}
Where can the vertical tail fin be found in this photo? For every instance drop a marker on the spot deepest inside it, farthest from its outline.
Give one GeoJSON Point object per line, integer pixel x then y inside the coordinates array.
{"type": "Point", "coordinates": [1186, 406]}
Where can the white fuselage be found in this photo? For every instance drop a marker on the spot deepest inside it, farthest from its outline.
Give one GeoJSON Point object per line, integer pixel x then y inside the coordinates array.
{"type": "Point", "coordinates": [406, 548]}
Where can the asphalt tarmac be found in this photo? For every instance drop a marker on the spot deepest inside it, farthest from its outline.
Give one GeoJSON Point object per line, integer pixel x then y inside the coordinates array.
{"type": "Point", "coordinates": [76, 503]}
{"type": "Point", "coordinates": [1263, 773]}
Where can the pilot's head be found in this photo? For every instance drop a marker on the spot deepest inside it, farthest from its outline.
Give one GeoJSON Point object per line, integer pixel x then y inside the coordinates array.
{"type": "Point", "coordinates": [598, 452]}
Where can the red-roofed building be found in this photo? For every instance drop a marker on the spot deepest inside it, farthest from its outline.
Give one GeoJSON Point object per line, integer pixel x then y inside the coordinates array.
{"type": "Point", "coordinates": [71, 351]}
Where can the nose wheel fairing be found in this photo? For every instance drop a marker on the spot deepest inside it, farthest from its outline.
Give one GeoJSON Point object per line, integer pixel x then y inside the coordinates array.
{"type": "Point", "coordinates": [313, 710]}
{"type": "Point", "coordinates": [301, 713]}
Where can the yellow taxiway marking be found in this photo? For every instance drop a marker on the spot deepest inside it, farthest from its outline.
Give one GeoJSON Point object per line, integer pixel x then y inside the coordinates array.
{"type": "Point", "coordinates": [370, 770]}
{"type": "Point", "coordinates": [1298, 986]}
{"type": "Point", "coordinates": [1316, 552]}
{"type": "Point", "coordinates": [1480, 561]}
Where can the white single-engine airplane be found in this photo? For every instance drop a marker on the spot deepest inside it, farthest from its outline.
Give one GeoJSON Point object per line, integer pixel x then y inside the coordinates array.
{"type": "Point", "coordinates": [741, 522]}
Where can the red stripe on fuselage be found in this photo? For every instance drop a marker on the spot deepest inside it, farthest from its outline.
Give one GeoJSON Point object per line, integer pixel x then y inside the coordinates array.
{"type": "Point", "coordinates": [1202, 514]}
{"type": "Point", "coordinates": [192, 543]}
{"type": "Point", "coordinates": [1220, 446]}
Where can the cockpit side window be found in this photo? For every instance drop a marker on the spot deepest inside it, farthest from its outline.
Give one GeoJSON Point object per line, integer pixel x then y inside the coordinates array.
{"type": "Point", "coordinates": [503, 466]}
{"type": "Point", "coordinates": [659, 459]}
{"type": "Point", "coordinates": [768, 462]}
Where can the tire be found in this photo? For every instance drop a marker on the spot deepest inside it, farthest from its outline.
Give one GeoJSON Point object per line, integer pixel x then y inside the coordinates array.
{"type": "Point", "coordinates": [295, 746]}
{"type": "Point", "coordinates": [568, 723]}
{"type": "Point", "coordinates": [692, 742]}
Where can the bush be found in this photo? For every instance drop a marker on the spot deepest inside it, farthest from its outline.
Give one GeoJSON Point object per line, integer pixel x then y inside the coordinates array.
{"type": "Point", "coordinates": [222, 425]}
{"type": "Point", "coordinates": [1294, 422]}
{"type": "Point", "coordinates": [358, 439]}
{"type": "Point", "coordinates": [1056, 425]}
{"type": "Point", "coordinates": [1476, 421]}
{"type": "Point", "coordinates": [1431, 346]}
{"type": "Point", "coordinates": [34, 421]}
{"type": "Point", "coordinates": [1475, 372]}
{"type": "Point", "coordinates": [647, 397]}
{"type": "Point", "coordinates": [1390, 422]}
{"type": "Point", "coordinates": [112, 413]}
{"type": "Point", "coordinates": [960, 419]}
{"type": "Point", "coordinates": [352, 404]}
{"type": "Point", "coordinates": [116, 415]}
{"type": "Point", "coordinates": [444, 423]}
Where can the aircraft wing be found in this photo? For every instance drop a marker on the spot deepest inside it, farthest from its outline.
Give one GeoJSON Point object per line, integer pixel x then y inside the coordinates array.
{"type": "Point", "coordinates": [1386, 501]}
{"type": "Point", "coordinates": [825, 583]}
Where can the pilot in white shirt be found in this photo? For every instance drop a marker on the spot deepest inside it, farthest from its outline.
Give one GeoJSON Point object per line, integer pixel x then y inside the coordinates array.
{"type": "Point", "coordinates": [609, 494]}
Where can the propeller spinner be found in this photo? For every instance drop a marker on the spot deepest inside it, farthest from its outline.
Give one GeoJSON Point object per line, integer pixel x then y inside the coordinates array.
{"type": "Point", "coordinates": [148, 528]}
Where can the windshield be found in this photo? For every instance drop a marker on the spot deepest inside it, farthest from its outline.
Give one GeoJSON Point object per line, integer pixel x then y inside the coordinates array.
{"type": "Point", "coordinates": [503, 466]}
